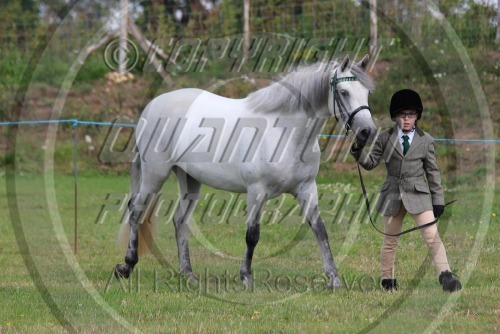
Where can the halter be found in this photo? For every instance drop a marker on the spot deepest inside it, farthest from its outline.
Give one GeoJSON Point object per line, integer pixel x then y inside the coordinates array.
{"type": "Point", "coordinates": [341, 107]}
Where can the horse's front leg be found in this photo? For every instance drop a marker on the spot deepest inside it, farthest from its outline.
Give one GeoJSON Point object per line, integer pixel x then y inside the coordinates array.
{"type": "Point", "coordinates": [308, 199]}
{"type": "Point", "coordinates": [131, 258]}
{"type": "Point", "coordinates": [255, 202]}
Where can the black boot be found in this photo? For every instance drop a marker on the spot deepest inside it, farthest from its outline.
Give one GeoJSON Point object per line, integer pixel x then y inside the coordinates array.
{"type": "Point", "coordinates": [389, 284]}
{"type": "Point", "coordinates": [449, 281]}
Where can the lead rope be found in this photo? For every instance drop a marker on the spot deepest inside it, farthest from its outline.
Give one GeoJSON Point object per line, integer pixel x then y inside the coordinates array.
{"type": "Point", "coordinates": [368, 211]}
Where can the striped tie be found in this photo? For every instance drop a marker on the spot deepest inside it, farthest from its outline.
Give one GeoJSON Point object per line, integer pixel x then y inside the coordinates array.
{"type": "Point", "coordinates": [406, 144]}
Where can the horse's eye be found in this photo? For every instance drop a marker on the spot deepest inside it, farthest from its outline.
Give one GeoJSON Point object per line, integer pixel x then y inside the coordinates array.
{"type": "Point", "coordinates": [344, 93]}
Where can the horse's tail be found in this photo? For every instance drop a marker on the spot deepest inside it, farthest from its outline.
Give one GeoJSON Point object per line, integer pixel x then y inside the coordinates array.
{"type": "Point", "coordinates": [147, 226]}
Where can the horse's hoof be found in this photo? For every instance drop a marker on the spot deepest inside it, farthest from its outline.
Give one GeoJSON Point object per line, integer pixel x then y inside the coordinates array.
{"type": "Point", "coordinates": [191, 278]}
{"type": "Point", "coordinates": [335, 283]}
{"type": "Point", "coordinates": [247, 280]}
{"type": "Point", "coordinates": [122, 271]}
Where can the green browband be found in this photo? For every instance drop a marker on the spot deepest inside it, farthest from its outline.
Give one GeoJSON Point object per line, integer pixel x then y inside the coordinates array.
{"type": "Point", "coordinates": [334, 80]}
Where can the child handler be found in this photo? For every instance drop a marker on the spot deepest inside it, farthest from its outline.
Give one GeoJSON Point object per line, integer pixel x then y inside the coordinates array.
{"type": "Point", "coordinates": [412, 184]}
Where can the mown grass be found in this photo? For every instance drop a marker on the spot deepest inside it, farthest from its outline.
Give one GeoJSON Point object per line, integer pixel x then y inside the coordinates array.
{"type": "Point", "coordinates": [46, 288]}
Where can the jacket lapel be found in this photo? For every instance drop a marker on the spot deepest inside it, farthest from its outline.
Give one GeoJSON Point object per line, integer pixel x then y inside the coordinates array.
{"type": "Point", "coordinates": [394, 141]}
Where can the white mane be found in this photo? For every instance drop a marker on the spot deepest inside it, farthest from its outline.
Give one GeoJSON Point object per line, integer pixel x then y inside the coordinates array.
{"type": "Point", "coordinates": [306, 88]}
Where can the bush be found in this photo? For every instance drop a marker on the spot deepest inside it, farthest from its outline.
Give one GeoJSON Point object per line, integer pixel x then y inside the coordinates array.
{"type": "Point", "coordinates": [93, 69]}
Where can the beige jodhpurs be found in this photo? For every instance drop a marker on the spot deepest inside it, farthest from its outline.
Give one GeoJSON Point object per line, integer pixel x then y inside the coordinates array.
{"type": "Point", "coordinates": [394, 224]}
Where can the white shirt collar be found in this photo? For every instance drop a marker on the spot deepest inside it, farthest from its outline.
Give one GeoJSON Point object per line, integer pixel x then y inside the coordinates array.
{"type": "Point", "coordinates": [409, 134]}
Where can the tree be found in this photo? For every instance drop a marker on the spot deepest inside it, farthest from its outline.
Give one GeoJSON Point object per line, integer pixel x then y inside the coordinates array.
{"type": "Point", "coordinates": [497, 39]}
{"type": "Point", "coordinates": [373, 27]}
{"type": "Point", "coordinates": [18, 31]}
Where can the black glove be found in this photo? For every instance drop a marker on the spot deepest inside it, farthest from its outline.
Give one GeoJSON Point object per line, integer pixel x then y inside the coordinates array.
{"type": "Point", "coordinates": [438, 210]}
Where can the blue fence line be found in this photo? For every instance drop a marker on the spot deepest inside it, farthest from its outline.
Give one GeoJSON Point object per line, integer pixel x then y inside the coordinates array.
{"type": "Point", "coordinates": [447, 140]}
{"type": "Point", "coordinates": [76, 122]}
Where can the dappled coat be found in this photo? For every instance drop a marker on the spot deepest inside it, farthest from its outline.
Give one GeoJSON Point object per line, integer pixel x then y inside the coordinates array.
{"type": "Point", "coordinates": [412, 179]}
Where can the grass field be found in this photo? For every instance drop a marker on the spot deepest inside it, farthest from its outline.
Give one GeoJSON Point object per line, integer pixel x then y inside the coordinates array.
{"type": "Point", "coordinates": [46, 288]}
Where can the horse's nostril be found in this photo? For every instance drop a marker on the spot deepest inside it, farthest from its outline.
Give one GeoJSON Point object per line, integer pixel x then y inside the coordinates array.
{"type": "Point", "coordinates": [364, 135]}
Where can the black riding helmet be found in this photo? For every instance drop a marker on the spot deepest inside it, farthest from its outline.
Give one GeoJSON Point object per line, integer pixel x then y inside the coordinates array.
{"type": "Point", "coordinates": [406, 99]}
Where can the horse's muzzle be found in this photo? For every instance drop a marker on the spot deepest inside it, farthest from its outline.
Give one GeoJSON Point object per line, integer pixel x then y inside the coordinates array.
{"type": "Point", "coordinates": [365, 135]}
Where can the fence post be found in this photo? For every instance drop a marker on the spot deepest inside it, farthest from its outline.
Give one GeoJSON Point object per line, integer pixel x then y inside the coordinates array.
{"type": "Point", "coordinates": [75, 177]}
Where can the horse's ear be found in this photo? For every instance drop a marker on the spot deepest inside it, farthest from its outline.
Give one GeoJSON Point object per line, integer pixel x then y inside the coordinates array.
{"type": "Point", "coordinates": [344, 63]}
{"type": "Point", "coordinates": [364, 62]}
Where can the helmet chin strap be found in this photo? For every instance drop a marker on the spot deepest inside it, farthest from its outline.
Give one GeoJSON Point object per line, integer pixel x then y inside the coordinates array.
{"type": "Point", "coordinates": [346, 117]}
{"type": "Point", "coordinates": [412, 129]}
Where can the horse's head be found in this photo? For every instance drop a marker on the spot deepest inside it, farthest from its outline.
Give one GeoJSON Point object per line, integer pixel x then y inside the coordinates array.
{"type": "Point", "coordinates": [350, 87]}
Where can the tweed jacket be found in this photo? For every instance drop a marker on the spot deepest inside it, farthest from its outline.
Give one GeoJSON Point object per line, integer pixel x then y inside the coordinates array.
{"type": "Point", "coordinates": [412, 180]}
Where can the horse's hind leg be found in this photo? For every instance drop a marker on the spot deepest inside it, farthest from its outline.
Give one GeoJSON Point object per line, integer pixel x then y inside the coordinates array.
{"type": "Point", "coordinates": [308, 199]}
{"type": "Point", "coordinates": [150, 185]}
{"type": "Point", "coordinates": [189, 194]}
{"type": "Point", "coordinates": [255, 202]}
